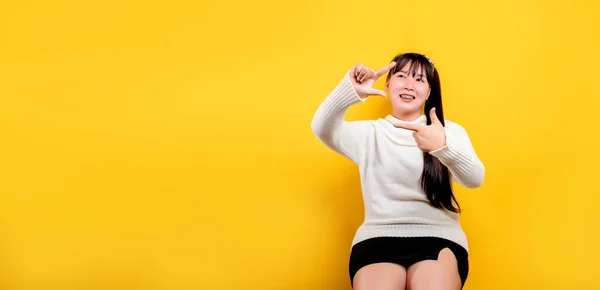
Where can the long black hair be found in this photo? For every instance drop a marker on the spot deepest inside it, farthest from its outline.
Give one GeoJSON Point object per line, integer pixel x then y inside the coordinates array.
{"type": "Point", "coordinates": [435, 179]}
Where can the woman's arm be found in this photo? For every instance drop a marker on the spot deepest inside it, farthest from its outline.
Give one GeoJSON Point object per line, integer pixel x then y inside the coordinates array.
{"type": "Point", "coordinates": [328, 122]}
{"type": "Point", "coordinates": [460, 157]}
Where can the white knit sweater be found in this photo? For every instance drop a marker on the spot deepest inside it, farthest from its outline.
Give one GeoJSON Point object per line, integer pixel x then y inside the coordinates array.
{"type": "Point", "coordinates": [390, 166]}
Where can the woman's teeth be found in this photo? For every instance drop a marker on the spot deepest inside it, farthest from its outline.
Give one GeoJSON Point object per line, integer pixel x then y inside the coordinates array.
{"type": "Point", "coordinates": [407, 97]}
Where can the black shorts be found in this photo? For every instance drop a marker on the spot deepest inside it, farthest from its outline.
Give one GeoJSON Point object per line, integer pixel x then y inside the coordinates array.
{"type": "Point", "coordinates": [405, 251]}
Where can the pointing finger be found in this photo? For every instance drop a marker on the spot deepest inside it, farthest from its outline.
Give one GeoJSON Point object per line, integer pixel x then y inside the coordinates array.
{"type": "Point", "coordinates": [411, 127]}
{"type": "Point", "coordinates": [385, 69]}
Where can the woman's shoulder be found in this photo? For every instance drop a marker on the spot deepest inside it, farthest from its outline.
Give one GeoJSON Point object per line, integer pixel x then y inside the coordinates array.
{"type": "Point", "coordinates": [454, 126]}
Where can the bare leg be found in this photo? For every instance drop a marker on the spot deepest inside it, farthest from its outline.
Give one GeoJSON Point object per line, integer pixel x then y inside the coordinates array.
{"type": "Point", "coordinates": [440, 274]}
{"type": "Point", "coordinates": [380, 276]}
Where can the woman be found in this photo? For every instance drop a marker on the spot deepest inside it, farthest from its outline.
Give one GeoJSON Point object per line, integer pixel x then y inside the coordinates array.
{"type": "Point", "coordinates": [411, 237]}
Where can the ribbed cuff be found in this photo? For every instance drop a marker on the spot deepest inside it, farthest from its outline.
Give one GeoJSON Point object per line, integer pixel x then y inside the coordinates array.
{"type": "Point", "coordinates": [342, 96]}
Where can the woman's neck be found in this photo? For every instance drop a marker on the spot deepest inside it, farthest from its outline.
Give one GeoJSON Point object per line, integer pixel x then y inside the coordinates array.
{"type": "Point", "coordinates": [407, 116]}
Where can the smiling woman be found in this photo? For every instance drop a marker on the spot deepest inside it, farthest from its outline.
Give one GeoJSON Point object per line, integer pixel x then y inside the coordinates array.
{"type": "Point", "coordinates": [411, 237]}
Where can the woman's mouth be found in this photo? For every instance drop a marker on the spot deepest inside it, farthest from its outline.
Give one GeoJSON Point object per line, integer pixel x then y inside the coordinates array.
{"type": "Point", "coordinates": [407, 97]}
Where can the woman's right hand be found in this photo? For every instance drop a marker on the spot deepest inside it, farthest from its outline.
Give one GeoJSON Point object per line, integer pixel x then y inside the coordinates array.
{"type": "Point", "coordinates": [363, 78]}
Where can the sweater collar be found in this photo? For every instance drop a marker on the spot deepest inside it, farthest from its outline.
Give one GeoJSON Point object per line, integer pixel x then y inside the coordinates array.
{"type": "Point", "coordinates": [421, 120]}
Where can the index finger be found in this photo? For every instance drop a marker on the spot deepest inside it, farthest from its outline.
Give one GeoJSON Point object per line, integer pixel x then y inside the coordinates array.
{"type": "Point", "coordinates": [385, 69]}
{"type": "Point", "coordinates": [411, 127]}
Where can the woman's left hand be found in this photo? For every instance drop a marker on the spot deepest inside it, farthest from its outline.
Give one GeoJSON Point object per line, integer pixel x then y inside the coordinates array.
{"type": "Point", "coordinates": [428, 137]}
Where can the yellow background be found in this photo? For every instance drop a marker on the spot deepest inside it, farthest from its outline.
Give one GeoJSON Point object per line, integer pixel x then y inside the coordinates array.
{"type": "Point", "coordinates": [168, 146]}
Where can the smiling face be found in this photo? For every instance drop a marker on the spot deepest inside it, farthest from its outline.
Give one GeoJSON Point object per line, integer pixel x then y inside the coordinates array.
{"type": "Point", "coordinates": [408, 89]}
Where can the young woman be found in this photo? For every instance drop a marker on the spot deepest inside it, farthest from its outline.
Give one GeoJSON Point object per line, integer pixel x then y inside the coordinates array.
{"type": "Point", "coordinates": [411, 237]}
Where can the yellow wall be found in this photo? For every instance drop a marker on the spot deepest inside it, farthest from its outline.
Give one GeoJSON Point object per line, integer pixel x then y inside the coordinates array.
{"type": "Point", "coordinates": [168, 146]}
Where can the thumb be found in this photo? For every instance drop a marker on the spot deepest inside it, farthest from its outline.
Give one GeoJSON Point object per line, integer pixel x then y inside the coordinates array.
{"type": "Point", "coordinates": [378, 93]}
{"type": "Point", "coordinates": [433, 115]}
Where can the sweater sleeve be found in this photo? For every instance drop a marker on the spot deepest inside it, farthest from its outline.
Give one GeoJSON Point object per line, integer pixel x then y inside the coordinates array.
{"type": "Point", "coordinates": [344, 137]}
{"type": "Point", "coordinates": [460, 157]}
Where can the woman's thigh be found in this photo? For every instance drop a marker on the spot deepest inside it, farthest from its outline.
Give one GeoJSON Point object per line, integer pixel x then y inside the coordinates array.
{"type": "Point", "coordinates": [380, 276]}
{"type": "Point", "coordinates": [440, 274]}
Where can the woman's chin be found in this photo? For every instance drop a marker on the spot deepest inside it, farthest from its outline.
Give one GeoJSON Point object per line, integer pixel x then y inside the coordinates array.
{"type": "Point", "coordinates": [406, 107]}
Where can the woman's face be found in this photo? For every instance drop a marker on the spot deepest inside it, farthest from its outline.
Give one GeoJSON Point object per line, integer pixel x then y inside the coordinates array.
{"type": "Point", "coordinates": [408, 92]}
